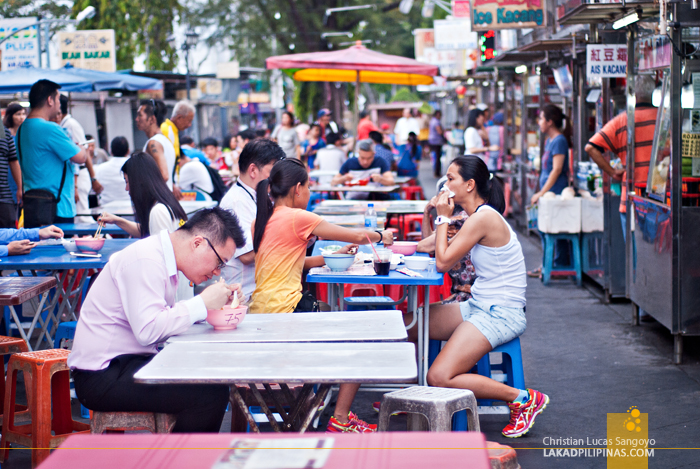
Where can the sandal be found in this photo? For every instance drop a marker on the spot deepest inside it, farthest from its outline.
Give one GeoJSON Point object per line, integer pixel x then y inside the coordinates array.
{"type": "Point", "coordinates": [536, 273]}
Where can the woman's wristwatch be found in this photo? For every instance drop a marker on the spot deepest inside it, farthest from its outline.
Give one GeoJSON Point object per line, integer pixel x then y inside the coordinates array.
{"type": "Point", "coordinates": [441, 219]}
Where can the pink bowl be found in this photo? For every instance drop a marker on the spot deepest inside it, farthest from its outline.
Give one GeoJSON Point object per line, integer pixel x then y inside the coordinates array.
{"type": "Point", "coordinates": [407, 248]}
{"type": "Point", "coordinates": [89, 245]}
{"type": "Point", "coordinates": [227, 318]}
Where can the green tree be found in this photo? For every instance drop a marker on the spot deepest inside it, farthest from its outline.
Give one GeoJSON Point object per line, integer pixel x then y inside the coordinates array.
{"type": "Point", "coordinates": [140, 27]}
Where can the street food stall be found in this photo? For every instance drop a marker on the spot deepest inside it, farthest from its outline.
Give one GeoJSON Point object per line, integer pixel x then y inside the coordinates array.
{"type": "Point", "coordinates": [663, 277]}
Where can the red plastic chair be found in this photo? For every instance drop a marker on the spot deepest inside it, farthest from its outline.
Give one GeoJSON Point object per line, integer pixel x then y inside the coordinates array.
{"type": "Point", "coordinates": [412, 193]}
{"type": "Point", "coordinates": [363, 290]}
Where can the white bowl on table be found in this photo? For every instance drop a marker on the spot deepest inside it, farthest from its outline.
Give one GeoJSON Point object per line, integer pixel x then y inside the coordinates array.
{"type": "Point", "coordinates": [417, 262]}
{"type": "Point", "coordinates": [396, 259]}
{"type": "Point", "coordinates": [339, 262]}
{"type": "Point", "coordinates": [70, 246]}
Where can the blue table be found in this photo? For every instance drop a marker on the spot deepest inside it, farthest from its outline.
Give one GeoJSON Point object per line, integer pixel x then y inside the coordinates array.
{"type": "Point", "coordinates": [82, 229]}
{"type": "Point", "coordinates": [431, 277]}
{"type": "Point", "coordinates": [66, 268]}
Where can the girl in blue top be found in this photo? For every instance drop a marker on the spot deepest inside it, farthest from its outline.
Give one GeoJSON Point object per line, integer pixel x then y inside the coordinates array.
{"type": "Point", "coordinates": [410, 157]}
{"type": "Point", "coordinates": [555, 161]}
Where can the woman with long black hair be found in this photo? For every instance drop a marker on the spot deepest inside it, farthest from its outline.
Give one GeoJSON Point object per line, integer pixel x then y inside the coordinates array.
{"type": "Point", "coordinates": [281, 233]}
{"type": "Point", "coordinates": [495, 314]}
{"type": "Point", "coordinates": [155, 206]}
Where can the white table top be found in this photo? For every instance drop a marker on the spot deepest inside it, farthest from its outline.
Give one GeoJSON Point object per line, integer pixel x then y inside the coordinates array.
{"type": "Point", "coordinates": [124, 208]}
{"type": "Point", "coordinates": [319, 363]}
{"type": "Point", "coordinates": [367, 188]}
{"type": "Point", "coordinates": [348, 326]}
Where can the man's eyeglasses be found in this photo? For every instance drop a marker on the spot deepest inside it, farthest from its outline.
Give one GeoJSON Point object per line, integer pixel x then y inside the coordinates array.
{"type": "Point", "coordinates": [222, 264]}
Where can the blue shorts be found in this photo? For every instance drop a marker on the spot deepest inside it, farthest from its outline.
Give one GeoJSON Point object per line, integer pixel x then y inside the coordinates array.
{"type": "Point", "coordinates": [499, 324]}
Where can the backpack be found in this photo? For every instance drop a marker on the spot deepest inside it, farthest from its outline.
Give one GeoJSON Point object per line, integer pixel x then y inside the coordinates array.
{"type": "Point", "coordinates": [220, 188]}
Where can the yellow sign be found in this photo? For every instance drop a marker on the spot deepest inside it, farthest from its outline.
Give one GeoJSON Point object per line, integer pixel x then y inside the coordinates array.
{"type": "Point", "coordinates": [628, 445]}
{"type": "Point", "coordinates": [89, 49]}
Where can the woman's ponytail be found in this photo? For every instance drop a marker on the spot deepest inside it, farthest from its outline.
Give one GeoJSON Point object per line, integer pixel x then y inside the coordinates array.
{"type": "Point", "coordinates": [265, 207]}
{"type": "Point", "coordinates": [488, 187]}
{"type": "Point", "coordinates": [496, 197]}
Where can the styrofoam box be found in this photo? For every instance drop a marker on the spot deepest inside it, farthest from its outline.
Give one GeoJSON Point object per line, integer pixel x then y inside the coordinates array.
{"type": "Point", "coordinates": [592, 215]}
{"type": "Point", "coordinates": [559, 215]}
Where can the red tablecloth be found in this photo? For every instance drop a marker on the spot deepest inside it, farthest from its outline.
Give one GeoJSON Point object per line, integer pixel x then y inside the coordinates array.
{"type": "Point", "coordinates": [391, 450]}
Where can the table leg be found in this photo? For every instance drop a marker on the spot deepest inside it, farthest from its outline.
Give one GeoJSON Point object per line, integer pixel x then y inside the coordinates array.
{"type": "Point", "coordinates": [331, 297]}
{"type": "Point", "coordinates": [236, 399]}
{"type": "Point", "coordinates": [413, 305]}
{"type": "Point", "coordinates": [264, 407]}
{"type": "Point", "coordinates": [341, 297]}
{"type": "Point", "coordinates": [323, 390]}
{"type": "Point", "coordinates": [426, 332]}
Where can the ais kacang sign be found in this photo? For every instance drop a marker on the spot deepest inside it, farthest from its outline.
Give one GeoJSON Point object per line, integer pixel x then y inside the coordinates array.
{"type": "Point", "coordinates": [507, 14]}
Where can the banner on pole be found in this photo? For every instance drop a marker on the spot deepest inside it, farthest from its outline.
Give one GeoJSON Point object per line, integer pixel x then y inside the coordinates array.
{"type": "Point", "coordinates": [606, 61]}
{"type": "Point", "coordinates": [90, 49]}
{"type": "Point", "coordinates": [513, 14]}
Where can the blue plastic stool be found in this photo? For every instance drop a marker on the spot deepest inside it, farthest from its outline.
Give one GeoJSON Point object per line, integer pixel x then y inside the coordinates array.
{"type": "Point", "coordinates": [66, 330]}
{"type": "Point", "coordinates": [369, 303]}
{"type": "Point", "coordinates": [550, 240]}
{"type": "Point", "coordinates": [592, 246]}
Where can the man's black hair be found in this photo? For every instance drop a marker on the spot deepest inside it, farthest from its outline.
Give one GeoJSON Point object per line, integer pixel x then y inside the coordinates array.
{"type": "Point", "coordinates": [155, 107]}
{"type": "Point", "coordinates": [217, 225]}
{"type": "Point", "coordinates": [377, 137]}
{"type": "Point", "coordinates": [64, 105]}
{"type": "Point", "coordinates": [209, 141]}
{"type": "Point", "coordinates": [185, 140]}
{"type": "Point", "coordinates": [364, 114]}
{"type": "Point", "coordinates": [260, 152]}
{"type": "Point", "coordinates": [260, 133]}
{"type": "Point", "coordinates": [332, 138]}
{"type": "Point", "coordinates": [247, 134]}
{"type": "Point", "coordinates": [119, 146]}
{"type": "Point", "coordinates": [41, 91]}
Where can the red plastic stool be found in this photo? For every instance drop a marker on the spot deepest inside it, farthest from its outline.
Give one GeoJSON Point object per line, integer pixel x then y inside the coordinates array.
{"type": "Point", "coordinates": [411, 222]}
{"type": "Point", "coordinates": [47, 379]}
{"type": "Point", "coordinates": [412, 193]}
{"type": "Point", "coordinates": [9, 346]}
{"type": "Point", "coordinates": [414, 236]}
{"type": "Point", "coordinates": [363, 290]}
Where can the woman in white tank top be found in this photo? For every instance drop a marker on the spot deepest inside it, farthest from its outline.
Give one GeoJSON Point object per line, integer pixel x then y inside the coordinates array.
{"type": "Point", "coordinates": [496, 312]}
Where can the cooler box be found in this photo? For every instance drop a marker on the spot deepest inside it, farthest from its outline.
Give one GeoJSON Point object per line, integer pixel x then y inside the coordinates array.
{"type": "Point", "coordinates": [592, 215]}
{"type": "Point", "coordinates": [559, 215]}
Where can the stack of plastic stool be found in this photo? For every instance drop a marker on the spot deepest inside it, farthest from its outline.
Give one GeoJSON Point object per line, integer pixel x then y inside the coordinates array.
{"type": "Point", "coordinates": [9, 346]}
{"type": "Point", "coordinates": [550, 240]}
{"type": "Point", "coordinates": [369, 303]}
{"type": "Point", "coordinates": [46, 376]}
{"type": "Point", "coordinates": [66, 332]}
{"type": "Point", "coordinates": [119, 422]}
{"type": "Point", "coordinates": [436, 404]}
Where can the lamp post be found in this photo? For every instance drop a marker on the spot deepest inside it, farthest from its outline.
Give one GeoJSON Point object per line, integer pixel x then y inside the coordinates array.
{"type": "Point", "coordinates": [190, 42]}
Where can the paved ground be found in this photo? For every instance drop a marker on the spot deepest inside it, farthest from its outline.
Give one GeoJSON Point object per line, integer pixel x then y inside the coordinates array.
{"type": "Point", "coordinates": [588, 358]}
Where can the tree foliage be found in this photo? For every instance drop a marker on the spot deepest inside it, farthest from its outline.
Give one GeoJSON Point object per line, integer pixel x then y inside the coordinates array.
{"type": "Point", "coordinates": [140, 26]}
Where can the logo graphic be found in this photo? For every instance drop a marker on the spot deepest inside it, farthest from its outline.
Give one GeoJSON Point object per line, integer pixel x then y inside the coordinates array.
{"type": "Point", "coordinates": [629, 446]}
{"type": "Point", "coordinates": [632, 423]}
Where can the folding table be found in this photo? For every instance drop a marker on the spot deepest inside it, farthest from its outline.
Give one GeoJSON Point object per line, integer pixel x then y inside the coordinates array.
{"type": "Point", "coordinates": [315, 363]}
{"type": "Point", "coordinates": [395, 450]}
{"type": "Point", "coordinates": [65, 268]}
{"type": "Point", "coordinates": [83, 229]}
{"type": "Point", "coordinates": [430, 277]}
{"type": "Point", "coordinates": [17, 290]}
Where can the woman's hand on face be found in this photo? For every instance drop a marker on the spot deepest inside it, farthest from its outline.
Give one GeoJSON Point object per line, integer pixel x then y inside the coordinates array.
{"type": "Point", "coordinates": [348, 249]}
{"type": "Point", "coordinates": [445, 205]}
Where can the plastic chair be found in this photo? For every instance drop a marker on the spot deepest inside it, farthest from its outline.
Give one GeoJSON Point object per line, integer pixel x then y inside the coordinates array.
{"type": "Point", "coordinates": [120, 422]}
{"type": "Point", "coordinates": [592, 249]}
{"type": "Point", "coordinates": [412, 193]}
{"type": "Point", "coordinates": [363, 290]}
{"type": "Point", "coordinates": [369, 303]}
{"type": "Point", "coordinates": [66, 332]}
{"type": "Point", "coordinates": [48, 392]}
{"type": "Point", "coordinates": [550, 240]}
{"type": "Point", "coordinates": [9, 346]}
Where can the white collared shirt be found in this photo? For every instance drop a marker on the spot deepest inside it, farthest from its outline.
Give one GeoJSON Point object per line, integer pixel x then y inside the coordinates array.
{"type": "Point", "coordinates": [110, 176]}
{"type": "Point", "coordinates": [131, 307]}
{"type": "Point", "coordinates": [241, 200]}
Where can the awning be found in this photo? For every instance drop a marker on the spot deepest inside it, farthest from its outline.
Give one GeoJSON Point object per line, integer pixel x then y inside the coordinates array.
{"type": "Point", "coordinates": [594, 13]}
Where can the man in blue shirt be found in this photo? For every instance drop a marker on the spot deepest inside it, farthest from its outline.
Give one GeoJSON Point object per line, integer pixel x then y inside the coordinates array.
{"type": "Point", "coordinates": [17, 242]}
{"type": "Point", "coordinates": [365, 160]}
{"type": "Point", "coordinates": [44, 150]}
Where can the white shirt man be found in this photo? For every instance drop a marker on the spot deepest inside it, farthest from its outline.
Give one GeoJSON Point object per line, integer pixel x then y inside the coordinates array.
{"type": "Point", "coordinates": [255, 164]}
{"type": "Point", "coordinates": [404, 126]}
{"type": "Point", "coordinates": [194, 176]}
{"type": "Point", "coordinates": [330, 158]}
{"type": "Point", "coordinates": [110, 176]}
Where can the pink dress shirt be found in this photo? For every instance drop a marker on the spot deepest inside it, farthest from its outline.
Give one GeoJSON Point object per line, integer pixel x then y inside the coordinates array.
{"type": "Point", "coordinates": [131, 306]}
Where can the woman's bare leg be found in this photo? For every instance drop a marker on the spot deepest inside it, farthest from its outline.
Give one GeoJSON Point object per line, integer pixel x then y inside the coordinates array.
{"type": "Point", "coordinates": [444, 319]}
{"type": "Point", "coordinates": [466, 346]}
{"type": "Point", "coordinates": [346, 394]}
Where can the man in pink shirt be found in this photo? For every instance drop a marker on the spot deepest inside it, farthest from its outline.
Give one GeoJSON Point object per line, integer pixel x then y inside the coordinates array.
{"type": "Point", "coordinates": [131, 308]}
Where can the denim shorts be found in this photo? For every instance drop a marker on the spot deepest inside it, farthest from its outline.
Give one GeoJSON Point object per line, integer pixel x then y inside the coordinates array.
{"type": "Point", "coordinates": [499, 324]}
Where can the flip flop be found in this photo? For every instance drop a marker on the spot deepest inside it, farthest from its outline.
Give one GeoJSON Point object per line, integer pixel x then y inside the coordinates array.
{"type": "Point", "coordinates": [536, 273]}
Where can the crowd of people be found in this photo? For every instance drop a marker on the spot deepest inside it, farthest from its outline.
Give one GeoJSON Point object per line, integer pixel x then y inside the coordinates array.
{"type": "Point", "coordinates": [145, 293]}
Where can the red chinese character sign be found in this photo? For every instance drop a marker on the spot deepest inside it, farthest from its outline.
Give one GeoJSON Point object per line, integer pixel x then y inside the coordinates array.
{"type": "Point", "coordinates": [508, 14]}
{"type": "Point", "coordinates": [606, 61]}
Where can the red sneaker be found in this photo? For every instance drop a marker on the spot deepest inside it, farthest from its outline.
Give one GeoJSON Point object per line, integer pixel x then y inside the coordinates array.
{"type": "Point", "coordinates": [354, 425]}
{"type": "Point", "coordinates": [522, 416]}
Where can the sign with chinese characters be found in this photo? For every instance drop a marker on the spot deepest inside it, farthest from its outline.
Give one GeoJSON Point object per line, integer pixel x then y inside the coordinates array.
{"type": "Point", "coordinates": [90, 49]}
{"type": "Point", "coordinates": [423, 39]}
{"type": "Point", "coordinates": [606, 61]}
{"type": "Point", "coordinates": [508, 14]}
{"type": "Point", "coordinates": [22, 49]}
{"type": "Point", "coordinates": [653, 52]}
{"type": "Point", "coordinates": [454, 34]}
{"type": "Point", "coordinates": [460, 9]}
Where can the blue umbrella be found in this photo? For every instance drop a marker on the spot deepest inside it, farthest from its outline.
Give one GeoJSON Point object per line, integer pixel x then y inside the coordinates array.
{"type": "Point", "coordinates": [74, 79]}
{"type": "Point", "coordinates": [20, 80]}
{"type": "Point", "coordinates": [113, 81]}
